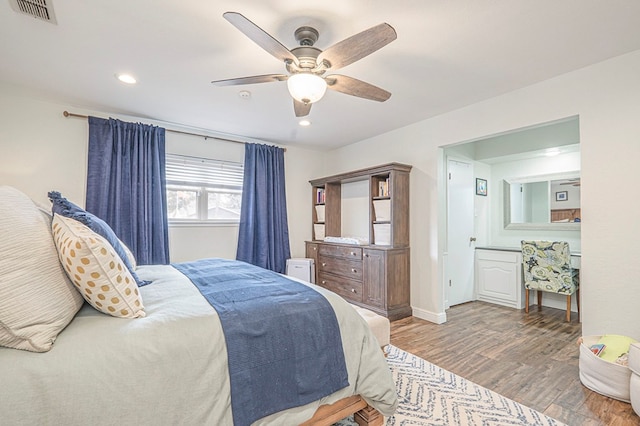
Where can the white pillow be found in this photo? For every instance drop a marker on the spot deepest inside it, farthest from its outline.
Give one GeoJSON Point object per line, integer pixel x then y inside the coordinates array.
{"type": "Point", "coordinates": [37, 301]}
{"type": "Point", "coordinates": [93, 266]}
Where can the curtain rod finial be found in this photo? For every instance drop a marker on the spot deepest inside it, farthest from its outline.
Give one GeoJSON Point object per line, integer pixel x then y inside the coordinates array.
{"type": "Point", "coordinates": [66, 113]}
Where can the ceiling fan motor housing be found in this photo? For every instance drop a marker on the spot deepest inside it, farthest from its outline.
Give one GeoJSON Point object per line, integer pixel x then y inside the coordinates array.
{"type": "Point", "coordinates": [306, 36]}
{"type": "Point", "coordinates": [306, 53]}
{"type": "Point", "coordinates": [307, 56]}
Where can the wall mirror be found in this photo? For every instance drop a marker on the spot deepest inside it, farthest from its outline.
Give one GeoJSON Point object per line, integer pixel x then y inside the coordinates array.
{"type": "Point", "coordinates": [544, 202]}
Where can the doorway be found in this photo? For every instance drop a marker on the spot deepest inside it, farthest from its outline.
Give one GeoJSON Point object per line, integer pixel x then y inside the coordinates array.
{"type": "Point", "coordinates": [513, 154]}
{"type": "Point", "coordinates": [460, 233]}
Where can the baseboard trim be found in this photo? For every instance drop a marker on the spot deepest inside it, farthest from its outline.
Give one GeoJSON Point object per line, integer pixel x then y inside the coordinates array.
{"type": "Point", "coordinates": [437, 318]}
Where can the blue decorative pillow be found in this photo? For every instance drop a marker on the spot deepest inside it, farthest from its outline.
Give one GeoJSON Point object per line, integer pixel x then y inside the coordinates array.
{"type": "Point", "coordinates": [66, 208]}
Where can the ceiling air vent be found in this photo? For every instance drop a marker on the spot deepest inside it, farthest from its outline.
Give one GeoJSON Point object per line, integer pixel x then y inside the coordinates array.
{"type": "Point", "coordinates": [41, 9]}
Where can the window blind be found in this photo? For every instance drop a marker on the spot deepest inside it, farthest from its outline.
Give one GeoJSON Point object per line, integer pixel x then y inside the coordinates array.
{"type": "Point", "coordinates": [190, 171]}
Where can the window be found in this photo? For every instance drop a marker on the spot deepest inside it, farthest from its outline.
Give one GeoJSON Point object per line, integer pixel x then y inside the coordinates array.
{"type": "Point", "coordinates": [203, 190]}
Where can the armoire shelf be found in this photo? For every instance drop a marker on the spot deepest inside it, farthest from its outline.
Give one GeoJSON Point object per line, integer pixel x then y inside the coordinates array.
{"type": "Point", "coordinates": [375, 275]}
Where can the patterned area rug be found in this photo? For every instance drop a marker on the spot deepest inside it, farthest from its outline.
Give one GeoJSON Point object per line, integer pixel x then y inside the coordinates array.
{"type": "Point", "coordinates": [430, 395]}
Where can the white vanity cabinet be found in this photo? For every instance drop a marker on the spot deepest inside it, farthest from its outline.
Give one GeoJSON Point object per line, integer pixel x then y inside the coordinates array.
{"type": "Point", "coordinates": [498, 277]}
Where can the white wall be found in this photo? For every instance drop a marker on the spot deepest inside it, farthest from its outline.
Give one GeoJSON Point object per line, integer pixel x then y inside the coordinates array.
{"type": "Point", "coordinates": [482, 206]}
{"type": "Point", "coordinates": [605, 96]}
{"type": "Point", "coordinates": [301, 166]}
{"type": "Point", "coordinates": [41, 150]}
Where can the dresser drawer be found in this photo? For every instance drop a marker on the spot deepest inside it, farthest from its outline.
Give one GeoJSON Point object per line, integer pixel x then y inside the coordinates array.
{"type": "Point", "coordinates": [349, 289]}
{"type": "Point", "coordinates": [351, 269]}
{"type": "Point", "coordinates": [354, 253]}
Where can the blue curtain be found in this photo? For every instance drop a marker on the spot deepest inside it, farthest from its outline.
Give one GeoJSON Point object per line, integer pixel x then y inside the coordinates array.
{"type": "Point", "coordinates": [264, 231]}
{"type": "Point", "coordinates": [126, 185]}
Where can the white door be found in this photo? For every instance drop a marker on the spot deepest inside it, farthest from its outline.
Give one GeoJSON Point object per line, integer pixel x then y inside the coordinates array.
{"type": "Point", "coordinates": [460, 232]}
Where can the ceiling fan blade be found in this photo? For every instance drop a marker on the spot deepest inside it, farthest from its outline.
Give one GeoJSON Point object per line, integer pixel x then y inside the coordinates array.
{"type": "Point", "coordinates": [301, 108]}
{"type": "Point", "coordinates": [358, 46]}
{"type": "Point", "coordinates": [260, 37]}
{"type": "Point", "coordinates": [354, 87]}
{"type": "Point", "coordinates": [267, 78]}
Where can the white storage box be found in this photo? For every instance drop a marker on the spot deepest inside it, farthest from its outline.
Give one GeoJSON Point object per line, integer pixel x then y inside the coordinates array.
{"type": "Point", "coordinates": [318, 231]}
{"type": "Point", "coordinates": [320, 213]}
{"type": "Point", "coordinates": [381, 234]}
{"type": "Point", "coordinates": [606, 378]}
{"type": "Point", "coordinates": [301, 268]}
{"type": "Point", "coordinates": [382, 210]}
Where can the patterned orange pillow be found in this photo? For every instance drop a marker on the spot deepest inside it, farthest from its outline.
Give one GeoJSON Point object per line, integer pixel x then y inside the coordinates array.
{"type": "Point", "coordinates": [95, 269]}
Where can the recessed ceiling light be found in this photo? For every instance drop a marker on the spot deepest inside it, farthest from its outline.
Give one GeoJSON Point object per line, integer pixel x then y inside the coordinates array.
{"type": "Point", "coordinates": [304, 123]}
{"type": "Point", "coordinates": [126, 78]}
{"type": "Point", "coordinates": [244, 94]}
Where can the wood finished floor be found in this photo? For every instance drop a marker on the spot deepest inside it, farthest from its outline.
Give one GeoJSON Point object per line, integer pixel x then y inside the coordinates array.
{"type": "Point", "coordinates": [529, 358]}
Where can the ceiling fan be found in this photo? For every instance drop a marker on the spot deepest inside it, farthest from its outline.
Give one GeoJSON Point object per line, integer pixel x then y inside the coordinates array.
{"type": "Point", "coordinates": [307, 64]}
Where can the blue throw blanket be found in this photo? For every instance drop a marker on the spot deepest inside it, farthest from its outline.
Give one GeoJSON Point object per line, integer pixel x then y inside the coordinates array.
{"type": "Point", "coordinates": [283, 340]}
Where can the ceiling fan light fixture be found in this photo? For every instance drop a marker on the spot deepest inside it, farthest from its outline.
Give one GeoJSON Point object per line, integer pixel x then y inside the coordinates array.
{"type": "Point", "coordinates": [306, 87]}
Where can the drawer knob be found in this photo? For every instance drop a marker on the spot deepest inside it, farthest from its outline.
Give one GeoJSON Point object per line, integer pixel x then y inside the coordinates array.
{"type": "Point", "coordinates": [353, 253]}
{"type": "Point", "coordinates": [354, 270]}
{"type": "Point", "coordinates": [315, 248]}
{"type": "Point", "coordinates": [324, 264]}
{"type": "Point", "coordinates": [353, 290]}
{"type": "Point", "coordinates": [366, 255]}
{"type": "Point", "coordinates": [324, 282]}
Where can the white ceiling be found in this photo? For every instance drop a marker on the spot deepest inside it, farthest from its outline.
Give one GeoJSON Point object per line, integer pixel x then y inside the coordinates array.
{"type": "Point", "coordinates": [448, 54]}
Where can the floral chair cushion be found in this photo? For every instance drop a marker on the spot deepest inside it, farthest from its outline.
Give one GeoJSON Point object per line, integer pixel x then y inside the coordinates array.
{"type": "Point", "coordinates": [547, 267]}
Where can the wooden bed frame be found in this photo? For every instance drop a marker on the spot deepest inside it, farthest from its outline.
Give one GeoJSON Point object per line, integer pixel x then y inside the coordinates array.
{"type": "Point", "coordinates": [364, 414]}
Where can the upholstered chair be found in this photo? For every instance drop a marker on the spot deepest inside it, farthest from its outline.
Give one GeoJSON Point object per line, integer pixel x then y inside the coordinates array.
{"type": "Point", "coordinates": [547, 267]}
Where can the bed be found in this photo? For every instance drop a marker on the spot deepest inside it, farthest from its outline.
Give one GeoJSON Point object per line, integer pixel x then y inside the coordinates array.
{"type": "Point", "coordinates": [168, 366]}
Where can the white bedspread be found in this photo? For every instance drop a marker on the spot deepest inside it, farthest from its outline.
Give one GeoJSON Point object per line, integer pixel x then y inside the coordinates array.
{"type": "Point", "coordinates": [169, 368]}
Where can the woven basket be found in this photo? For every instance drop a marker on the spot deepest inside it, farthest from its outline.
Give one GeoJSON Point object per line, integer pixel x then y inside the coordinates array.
{"type": "Point", "coordinates": [606, 378]}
